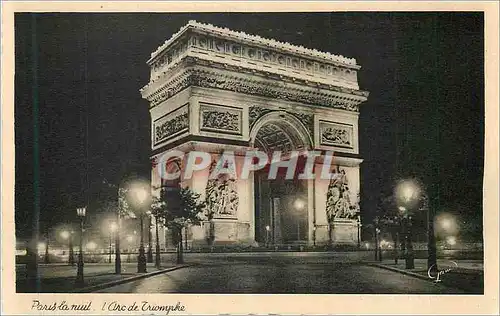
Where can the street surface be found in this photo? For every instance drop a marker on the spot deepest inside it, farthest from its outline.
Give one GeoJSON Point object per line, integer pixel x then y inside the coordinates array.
{"type": "Point", "coordinates": [301, 273]}
{"type": "Point", "coordinates": [60, 278]}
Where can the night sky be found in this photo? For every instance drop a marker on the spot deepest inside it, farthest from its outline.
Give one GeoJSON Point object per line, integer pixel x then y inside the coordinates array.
{"type": "Point", "coordinates": [424, 116]}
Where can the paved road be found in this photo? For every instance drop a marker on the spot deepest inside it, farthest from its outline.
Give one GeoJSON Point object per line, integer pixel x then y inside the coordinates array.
{"type": "Point", "coordinates": [290, 273]}
{"type": "Point", "coordinates": [62, 270]}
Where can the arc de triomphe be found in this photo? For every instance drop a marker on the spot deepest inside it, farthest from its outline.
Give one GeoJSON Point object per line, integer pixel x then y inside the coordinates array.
{"type": "Point", "coordinates": [213, 89]}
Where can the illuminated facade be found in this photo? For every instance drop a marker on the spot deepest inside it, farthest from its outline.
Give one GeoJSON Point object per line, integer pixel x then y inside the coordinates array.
{"type": "Point", "coordinates": [214, 90]}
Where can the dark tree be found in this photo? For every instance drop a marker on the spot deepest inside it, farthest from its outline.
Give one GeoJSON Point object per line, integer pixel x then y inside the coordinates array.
{"type": "Point", "coordinates": [180, 208]}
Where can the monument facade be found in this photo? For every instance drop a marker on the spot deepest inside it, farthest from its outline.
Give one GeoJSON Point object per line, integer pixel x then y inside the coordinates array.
{"type": "Point", "coordinates": [215, 90]}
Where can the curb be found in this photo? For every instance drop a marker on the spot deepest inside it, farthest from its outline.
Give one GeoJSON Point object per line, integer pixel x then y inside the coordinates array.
{"type": "Point", "coordinates": [101, 286]}
{"type": "Point", "coordinates": [413, 274]}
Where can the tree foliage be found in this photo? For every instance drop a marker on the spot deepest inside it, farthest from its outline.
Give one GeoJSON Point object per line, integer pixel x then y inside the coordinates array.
{"type": "Point", "coordinates": [182, 207]}
{"type": "Point", "coordinates": [178, 208]}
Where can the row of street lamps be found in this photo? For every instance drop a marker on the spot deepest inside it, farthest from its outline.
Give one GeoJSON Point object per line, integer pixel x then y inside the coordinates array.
{"type": "Point", "coordinates": [139, 197]}
{"type": "Point", "coordinates": [412, 196]}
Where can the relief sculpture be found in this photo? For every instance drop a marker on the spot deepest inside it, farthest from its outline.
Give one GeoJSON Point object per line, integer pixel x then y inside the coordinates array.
{"type": "Point", "coordinates": [338, 203]}
{"type": "Point", "coordinates": [171, 125]}
{"type": "Point", "coordinates": [221, 196]}
{"type": "Point", "coordinates": [220, 119]}
{"type": "Point", "coordinates": [336, 136]}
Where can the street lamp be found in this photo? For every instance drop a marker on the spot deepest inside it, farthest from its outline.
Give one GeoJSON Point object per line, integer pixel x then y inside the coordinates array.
{"type": "Point", "coordinates": [150, 249]}
{"type": "Point", "coordinates": [112, 228]}
{"type": "Point", "coordinates": [268, 230]}
{"type": "Point", "coordinates": [66, 235]}
{"type": "Point", "coordinates": [79, 276]}
{"type": "Point", "coordinates": [359, 231]}
{"type": "Point", "coordinates": [378, 249]}
{"type": "Point", "coordinates": [409, 194]}
{"type": "Point", "coordinates": [46, 256]}
{"type": "Point", "coordinates": [139, 196]}
{"type": "Point", "coordinates": [299, 206]}
{"type": "Point", "coordinates": [314, 236]}
{"type": "Point", "coordinates": [157, 236]}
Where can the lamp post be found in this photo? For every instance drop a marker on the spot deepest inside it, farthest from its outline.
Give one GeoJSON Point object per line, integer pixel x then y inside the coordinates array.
{"type": "Point", "coordinates": [120, 191]}
{"type": "Point", "coordinates": [150, 249]}
{"type": "Point", "coordinates": [157, 236]}
{"type": "Point", "coordinates": [408, 195]}
{"type": "Point", "coordinates": [79, 275]}
{"type": "Point", "coordinates": [112, 229]}
{"type": "Point", "coordinates": [299, 206]}
{"type": "Point", "coordinates": [378, 245]}
{"type": "Point", "coordinates": [314, 236]}
{"type": "Point", "coordinates": [376, 232]}
{"type": "Point", "coordinates": [141, 259]}
{"type": "Point", "coordinates": [118, 256]}
{"type": "Point", "coordinates": [46, 257]}
{"type": "Point", "coordinates": [66, 235]}
{"type": "Point", "coordinates": [268, 230]}
{"type": "Point", "coordinates": [139, 196]}
{"type": "Point", "coordinates": [431, 238]}
{"type": "Point", "coordinates": [359, 231]}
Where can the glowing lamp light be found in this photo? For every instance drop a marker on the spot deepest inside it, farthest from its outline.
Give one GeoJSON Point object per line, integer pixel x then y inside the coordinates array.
{"type": "Point", "coordinates": [64, 234]}
{"type": "Point", "coordinates": [41, 246]}
{"type": "Point", "coordinates": [141, 195]}
{"type": "Point", "coordinates": [113, 227]}
{"type": "Point", "coordinates": [91, 246]}
{"type": "Point", "coordinates": [268, 228]}
{"type": "Point", "coordinates": [299, 204]}
{"type": "Point", "coordinates": [447, 224]}
{"type": "Point", "coordinates": [408, 191]}
{"type": "Point", "coordinates": [81, 211]}
{"type": "Point", "coordinates": [451, 240]}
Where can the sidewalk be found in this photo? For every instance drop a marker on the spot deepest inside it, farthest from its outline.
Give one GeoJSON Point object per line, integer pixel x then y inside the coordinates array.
{"type": "Point", "coordinates": [57, 278]}
{"type": "Point", "coordinates": [463, 274]}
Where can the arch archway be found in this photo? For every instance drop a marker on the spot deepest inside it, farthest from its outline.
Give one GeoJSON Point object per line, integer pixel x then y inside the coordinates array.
{"type": "Point", "coordinates": [280, 130]}
{"type": "Point", "coordinates": [281, 208]}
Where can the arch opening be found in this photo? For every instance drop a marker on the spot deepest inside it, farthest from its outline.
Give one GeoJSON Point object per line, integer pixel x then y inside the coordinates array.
{"type": "Point", "coordinates": [281, 204]}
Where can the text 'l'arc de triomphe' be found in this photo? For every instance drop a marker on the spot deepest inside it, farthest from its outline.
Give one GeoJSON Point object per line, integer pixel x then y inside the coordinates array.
{"type": "Point", "coordinates": [213, 89]}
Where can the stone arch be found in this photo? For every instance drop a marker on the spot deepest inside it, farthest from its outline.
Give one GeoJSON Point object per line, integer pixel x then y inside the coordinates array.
{"type": "Point", "coordinates": [282, 130]}
{"type": "Point", "coordinates": [277, 220]}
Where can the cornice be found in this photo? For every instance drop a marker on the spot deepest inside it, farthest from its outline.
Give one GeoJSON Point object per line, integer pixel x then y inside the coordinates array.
{"type": "Point", "coordinates": [229, 79]}
{"type": "Point", "coordinates": [183, 68]}
{"type": "Point", "coordinates": [255, 39]}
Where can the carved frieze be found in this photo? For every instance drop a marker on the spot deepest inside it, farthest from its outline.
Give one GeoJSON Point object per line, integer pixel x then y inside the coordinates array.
{"type": "Point", "coordinates": [336, 134]}
{"type": "Point", "coordinates": [227, 33]}
{"type": "Point", "coordinates": [271, 56]}
{"type": "Point", "coordinates": [271, 89]}
{"type": "Point", "coordinates": [221, 119]}
{"type": "Point", "coordinates": [276, 91]}
{"type": "Point", "coordinates": [175, 52]}
{"type": "Point", "coordinates": [171, 124]}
